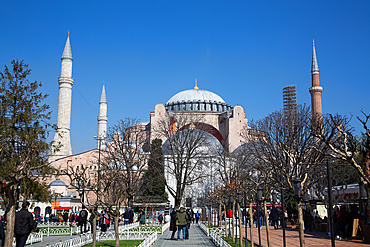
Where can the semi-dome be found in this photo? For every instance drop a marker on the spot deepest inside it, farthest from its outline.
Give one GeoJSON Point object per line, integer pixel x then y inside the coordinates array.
{"type": "Point", "coordinates": [197, 100]}
{"type": "Point", "coordinates": [57, 182]}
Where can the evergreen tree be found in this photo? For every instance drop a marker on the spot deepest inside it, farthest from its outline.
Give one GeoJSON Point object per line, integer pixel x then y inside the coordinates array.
{"type": "Point", "coordinates": [154, 177]}
{"type": "Point", "coordinates": [23, 146]}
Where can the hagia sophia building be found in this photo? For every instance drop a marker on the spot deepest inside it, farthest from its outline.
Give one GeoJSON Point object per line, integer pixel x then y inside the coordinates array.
{"type": "Point", "coordinates": [224, 122]}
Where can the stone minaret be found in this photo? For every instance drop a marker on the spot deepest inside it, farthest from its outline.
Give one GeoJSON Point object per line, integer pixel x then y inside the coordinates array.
{"type": "Point", "coordinates": [62, 138]}
{"type": "Point", "coordinates": [102, 120]}
{"type": "Point", "coordinates": [316, 89]}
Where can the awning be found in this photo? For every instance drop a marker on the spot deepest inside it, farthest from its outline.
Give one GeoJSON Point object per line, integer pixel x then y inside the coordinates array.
{"type": "Point", "coordinates": [62, 207]}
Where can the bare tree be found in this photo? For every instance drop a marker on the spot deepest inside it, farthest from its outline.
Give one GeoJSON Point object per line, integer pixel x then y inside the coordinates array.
{"type": "Point", "coordinates": [337, 134]}
{"type": "Point", "coordinates": [122, 167]}
{"type": "Point", "coordinates": [285, 146]}
{"type": "Point", "coordinates": [186, 151]}
{"type": "Point", "coordinates": [85, 185]}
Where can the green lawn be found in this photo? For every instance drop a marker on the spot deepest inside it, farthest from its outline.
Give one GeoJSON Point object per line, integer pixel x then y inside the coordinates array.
{"type": "Point", "coordinates": [124, 243]}
{"type": "Point", "coordinates": [230, 241]}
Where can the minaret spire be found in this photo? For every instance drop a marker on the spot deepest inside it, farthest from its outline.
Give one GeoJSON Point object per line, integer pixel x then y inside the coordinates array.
{"type": "Point", "coordinates": [315, 65]}
{"type": "Point", "coordinates": [316, 89]}
{"type": "Point", "coordinates": [62, 140]}
{"type": "Point", "coordinates": [102, 120]}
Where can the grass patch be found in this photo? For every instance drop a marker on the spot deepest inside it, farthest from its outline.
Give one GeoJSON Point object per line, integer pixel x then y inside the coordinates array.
{"type": "Point", "coordinates": [112, 243]}
{"type": "Point", "coordinates": [230, 241]}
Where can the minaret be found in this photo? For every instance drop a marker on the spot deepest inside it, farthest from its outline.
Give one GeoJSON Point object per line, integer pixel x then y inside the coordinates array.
{"type": "Point", "coordinates": [102, 121]}
{"type": "Point", "coordinates": [62, 139]}
{"type": "Point", "coordinates": [316, 89]}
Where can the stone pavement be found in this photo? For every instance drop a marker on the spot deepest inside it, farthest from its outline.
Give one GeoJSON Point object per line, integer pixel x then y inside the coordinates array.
{"type": "Point", "coordinates": [314, 238]}
{"type": "Point", "coordinates": [196, 238]}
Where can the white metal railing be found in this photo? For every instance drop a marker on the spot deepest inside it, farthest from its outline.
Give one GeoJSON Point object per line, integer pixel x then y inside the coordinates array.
{"type": "Point", "coordinates": [122, 228]}
{"type": "Point", "coordinates": [204, 228]}
{"type": "Point", "coordinates": [59, 231]}
{"type": "Point", "coordinates": [132, 234]}
{"type": "Point", "coordinates": [55, 224]}
{"type": "Point", "coordinates": [149, 241]}
{"type": "Point", "coordinates": [217, 239]}
{"type": "Point", "coordinates": [32, 238]}
{"type": "Point", "coordinates": [165, 227]}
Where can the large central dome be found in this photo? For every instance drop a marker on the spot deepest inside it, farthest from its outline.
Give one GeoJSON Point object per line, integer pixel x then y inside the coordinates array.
{"type": "Point", "coordinates": [196, 94]}
{"type": "Point", "coordinates": [197, 100]}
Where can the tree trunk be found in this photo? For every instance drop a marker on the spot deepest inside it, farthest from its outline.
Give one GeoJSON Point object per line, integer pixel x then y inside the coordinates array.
{"type": "Point", "coordinates": [226, 232]}
{"type": "Point", "coordinates": [251, 221]}
{"type": "Point", "coordinates": [219, 216]}
{"type": "Point", "coordinates": [232, 223]}
{"type": "Point", "coordinates": [10, 219]}
{"type": "Point", "coordinates": [94, 230]}
{"type": "Point", "coordinates": [116, 229]}
{"type": "Point", "coordinates": [300, 224]}
{"type": "Point", "coordinates": [267, 224]}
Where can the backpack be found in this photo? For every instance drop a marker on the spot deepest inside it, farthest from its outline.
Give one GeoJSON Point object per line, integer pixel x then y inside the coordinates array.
{"type": "Point", "coordinates": [83, 215]}
{"type": "Point", "coordinates": [197, 215]}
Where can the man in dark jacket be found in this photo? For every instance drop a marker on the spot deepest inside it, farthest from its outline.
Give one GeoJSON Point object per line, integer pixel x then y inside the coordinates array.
{"type": "Point", "coordinates": [82, 219]}
{"type": "Point", "coordinates": [275, 217]}
{"type": "Point", "coordinates": [173, 227]}
{"type": "Point", "coordinates": [188, 224]}
{"type": "Point", "coordinates": [24, 224]}
{"type": "Point", "coordinates": [181, 222]}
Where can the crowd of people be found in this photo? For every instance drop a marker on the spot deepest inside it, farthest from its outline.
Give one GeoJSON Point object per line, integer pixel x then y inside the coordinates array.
{"type": "Point", "coordinates": [180, 221]}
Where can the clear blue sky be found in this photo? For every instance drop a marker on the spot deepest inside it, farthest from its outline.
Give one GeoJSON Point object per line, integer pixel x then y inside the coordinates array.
{"type": "Point", "coordinates": [147, 51]}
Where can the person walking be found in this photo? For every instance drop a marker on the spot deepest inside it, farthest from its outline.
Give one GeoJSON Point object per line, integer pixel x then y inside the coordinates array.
{"type": "Point", "coordinates": [274, 215]}
{"type": "Point", "coordinates": [2, 231]}
{"type": "Point", "coordinates": [197, 217]}
{"type": "Point", "coordinates": [188, 223]}
{"type": "Point", "coordinates": [181, 222]}
{"type": "Point", "coordinates": [65, 217]}
{"type": "Point", "coordinates": [126, 216]}
{"type": "Point", "coordinates": [82, 219]}
{"type": "Point", "coordinates": [104, 220]}
{"type": "Point", "coordinates": [24, 224]}
{"type": "Point", "coordinates": [173, 227]}
{"type": "Point", "coordinates": [131, 219]}
{"type": "Point", "coordinates": [308, 220]}
{"type": "Point", "coordinates": [160, 219]}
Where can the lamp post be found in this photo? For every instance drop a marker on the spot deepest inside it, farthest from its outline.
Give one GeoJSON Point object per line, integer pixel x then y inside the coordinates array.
{"type": "Point", "coordinates": [226, 226]}
{"type": "Point", "coordinates": [259, 200]}
{"type": "Point", "coordinates": [240, 221]}
{"type": "Point", "coordinates": [298, 196]}
{"type": "Point", "coordinates": [231, 224]}
{"type": "Point", "coordinates": [245, 215]}
{"type": "Point", "coordinates": [99, 139]}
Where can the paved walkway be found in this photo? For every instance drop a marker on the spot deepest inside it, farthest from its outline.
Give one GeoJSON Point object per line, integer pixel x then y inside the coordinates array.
{"type": "Point", "coordinates": [314, 238]}
{"type": "Point", "coordinates": [196, 238]}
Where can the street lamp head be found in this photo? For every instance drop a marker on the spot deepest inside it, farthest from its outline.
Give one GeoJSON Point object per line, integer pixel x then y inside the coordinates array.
{"type": "Point", "coordinates": [231, 199]}
{"type": "Point", "coordinates": [363, 194]}
{"type": "Point", "coordinates": [259, 193]}
{"type": "Point", "coordinates": [306, 197]}
{"type": "Point", "coordinates": [239, 197]}
{"type": "Point", "coordinates": [297, 188]}
{"type": "Point", "coordinates": [274, 196]}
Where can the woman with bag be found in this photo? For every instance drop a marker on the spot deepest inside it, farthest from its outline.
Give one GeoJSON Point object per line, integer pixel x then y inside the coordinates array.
{"type": "Point", "coordinates": [104, 221]}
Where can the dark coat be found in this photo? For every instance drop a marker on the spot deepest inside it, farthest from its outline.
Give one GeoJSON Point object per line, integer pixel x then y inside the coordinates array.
{"type": "Point", "coordinates": [274, 214]}
{"type": "Point", "coordinates": [24, 222]}
{"type": "Point", "coordinates": [173, 227]}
